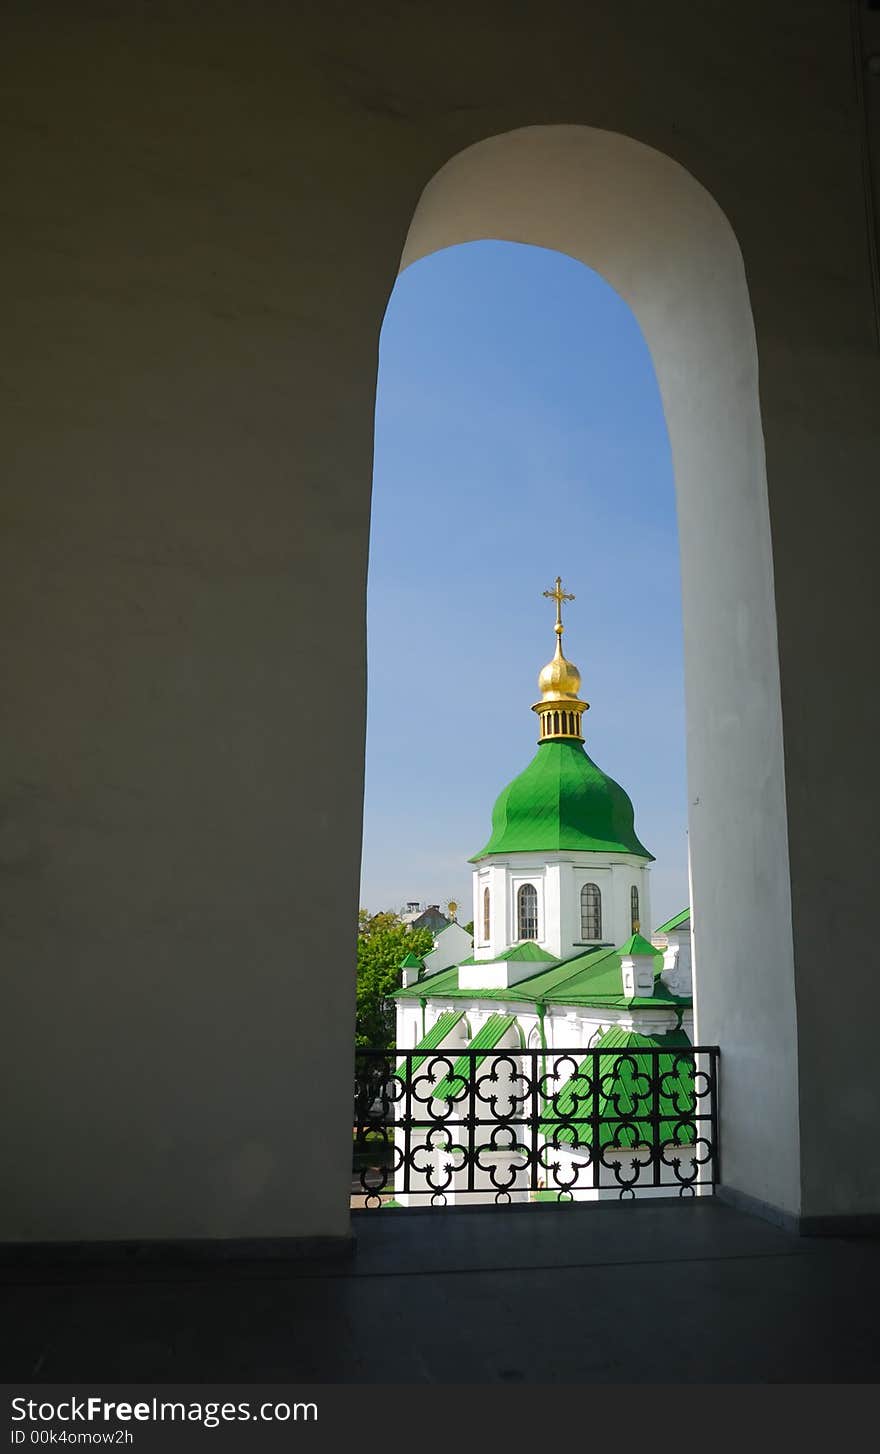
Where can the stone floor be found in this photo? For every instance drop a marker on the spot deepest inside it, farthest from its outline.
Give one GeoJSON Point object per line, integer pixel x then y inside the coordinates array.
{"type": "Point", "coordinates": [643, 1292]}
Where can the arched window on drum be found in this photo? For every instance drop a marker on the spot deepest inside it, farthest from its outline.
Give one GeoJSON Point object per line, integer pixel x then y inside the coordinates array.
{"type": "Point", "coordinates": [527, 912]}
{"type": "Point", "coordinates": [591, 912]}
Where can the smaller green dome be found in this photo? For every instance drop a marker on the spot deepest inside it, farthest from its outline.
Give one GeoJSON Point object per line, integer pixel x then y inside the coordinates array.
{"type": "Point", "coordinates": [563, 801]}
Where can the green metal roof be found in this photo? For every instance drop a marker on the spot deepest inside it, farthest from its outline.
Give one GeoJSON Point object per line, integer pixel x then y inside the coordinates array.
{"type": "Point", "coordinates": [624, 1091]}
{"type": "Point", "coordinates": [596, 974]}
{"type": "Point", "coordinates": [563, 801]}
{"type": "Point", "coordinates": [411, 961]}
{"type": "Point", "coordinates": [592, 978]}
{"type": "Point", "coordinates": [674, 922]}
{"type": "Point", "coordinates": [437, 1033]}
{"type": "Point", "coordinates": [486, 1038]}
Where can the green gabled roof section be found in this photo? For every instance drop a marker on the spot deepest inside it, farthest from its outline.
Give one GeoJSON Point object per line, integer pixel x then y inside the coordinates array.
{"type": "Point", "coordinates": [595, 973]}
{"type": "Point", "coordinates": [591, 978]}
{"type": "Point", "coordinates": [560, 980]}
{"type": "Point", "coordinates": [674, 923]}
{"type": "Point", "coordinates": [616, 1038]}
{"type": "Point", "coordinates": [636, 945]}
{"type": "Point", "coordinates": [527, 952]}
{"type": "Point", "coordinates": [411, 961]}
{"type": "Point", "coordinates": [524, 953]}
{"type": "Point", "coordinates": [486, 1038]}
{"type": "Point", "coordinates": [624, 1090]}
{"type": "Point", "coordinates": [441, 1027]}
{"type": "Point", "coordinates": [563, 801]}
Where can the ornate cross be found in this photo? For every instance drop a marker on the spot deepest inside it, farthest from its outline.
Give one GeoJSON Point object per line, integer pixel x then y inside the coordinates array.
{"type": "Point", "coordinates": [558, 595]}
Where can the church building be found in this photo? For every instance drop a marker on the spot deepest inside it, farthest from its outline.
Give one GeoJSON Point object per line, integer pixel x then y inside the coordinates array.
{"type": "Point", "coordinates": [558, 961]}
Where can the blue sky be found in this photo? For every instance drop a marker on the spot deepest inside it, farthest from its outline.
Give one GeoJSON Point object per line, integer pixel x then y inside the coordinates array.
{"type": "Point", "coordinates": [519, 436]}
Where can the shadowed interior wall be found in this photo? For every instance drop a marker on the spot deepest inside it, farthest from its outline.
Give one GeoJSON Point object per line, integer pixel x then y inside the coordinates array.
{"type": "Point", "coordinates": [204, 216]}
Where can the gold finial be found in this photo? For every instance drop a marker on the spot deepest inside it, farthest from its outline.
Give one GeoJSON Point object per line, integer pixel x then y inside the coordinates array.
{"type": "Point", "coordinates": [558, 595]}
{"type": "Point", "coordinates": [560, 709]}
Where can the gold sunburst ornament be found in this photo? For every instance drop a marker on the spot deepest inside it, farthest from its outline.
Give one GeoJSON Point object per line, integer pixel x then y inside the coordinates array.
{"type": "Point", "coordinates": [560, 709]}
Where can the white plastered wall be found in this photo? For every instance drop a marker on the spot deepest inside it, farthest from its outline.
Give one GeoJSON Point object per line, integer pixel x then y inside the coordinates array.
{"type": "Point", "coordinates": [657, 236]}
{"type": "Point", "coordinates": [558, 878]}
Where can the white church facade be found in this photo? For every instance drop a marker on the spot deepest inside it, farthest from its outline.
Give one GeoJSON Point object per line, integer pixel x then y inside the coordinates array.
{"type": "Point", "coordinates": [487, 1104]}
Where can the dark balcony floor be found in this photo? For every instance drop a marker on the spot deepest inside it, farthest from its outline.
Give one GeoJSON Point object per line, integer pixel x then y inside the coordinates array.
{"type": "Point", "coordinates": [648, 1292]}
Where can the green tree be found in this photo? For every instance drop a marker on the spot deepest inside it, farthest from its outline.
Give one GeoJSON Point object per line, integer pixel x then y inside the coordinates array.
{"type": "Point", "coordinates": [383, 942]}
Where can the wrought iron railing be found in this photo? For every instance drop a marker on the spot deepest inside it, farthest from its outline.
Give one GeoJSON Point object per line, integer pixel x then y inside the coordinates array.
{"type": "Point", "coordinates": [440, 1127]}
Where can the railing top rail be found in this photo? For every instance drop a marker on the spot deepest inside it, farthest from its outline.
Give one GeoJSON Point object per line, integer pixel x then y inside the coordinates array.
{"type": "Point", "coordinates": [399, 1053]}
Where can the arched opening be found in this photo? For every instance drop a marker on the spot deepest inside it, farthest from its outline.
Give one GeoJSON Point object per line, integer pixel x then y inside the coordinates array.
{"type": "Point", "coordinates": [515, 387]}
{"type": "Point", "coordinates": [649, 228]}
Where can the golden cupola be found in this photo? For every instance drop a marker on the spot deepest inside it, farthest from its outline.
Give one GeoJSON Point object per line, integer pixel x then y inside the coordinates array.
{"type": "Point", "coordinates": [560, 709]}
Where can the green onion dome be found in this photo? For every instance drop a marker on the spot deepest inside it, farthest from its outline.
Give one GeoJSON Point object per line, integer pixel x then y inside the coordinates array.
{"type": "Point", "coordinates": [563, 801]}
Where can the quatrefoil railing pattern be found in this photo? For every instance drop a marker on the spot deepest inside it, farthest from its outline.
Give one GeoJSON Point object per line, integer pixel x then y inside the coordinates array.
{"type": "Point", "coordinates": [516, 1125]}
